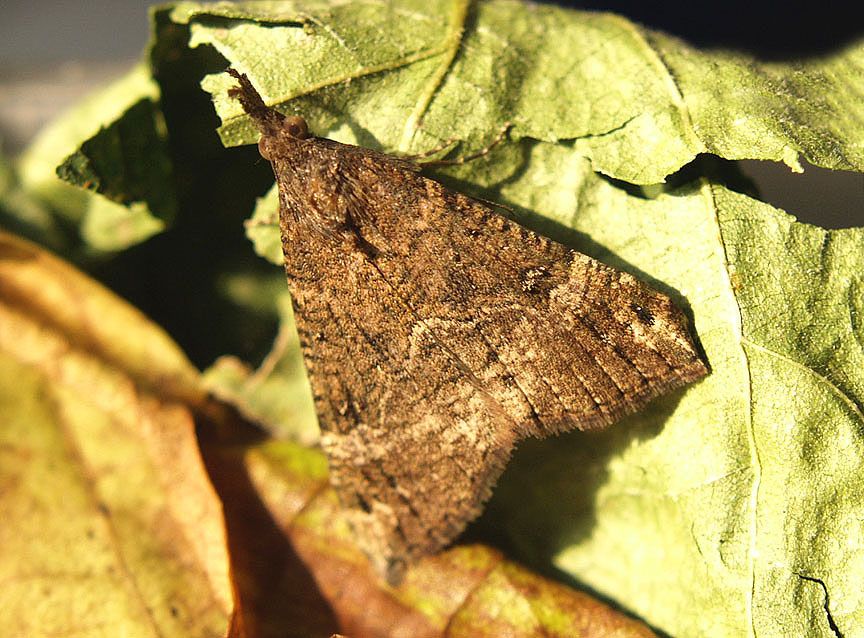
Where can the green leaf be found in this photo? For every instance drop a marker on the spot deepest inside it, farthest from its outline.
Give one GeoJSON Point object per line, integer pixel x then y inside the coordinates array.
{"type": "Point", "coordinates": [277, 394]}
{"type": "Point", "coordinates": [121, 154]}
{"type": "Point", "coordinates": [743, 109]}
{"type": "Point", "coordinates": [109, 163]}
{"type": "Point", "coordinates": [263, 228]}
{"type": "Point", "coordinates": [24, 212]}
{"type": "Point", "coordinates": [727, 500]}
{"type": "Point", "coordinates": [646, 104]}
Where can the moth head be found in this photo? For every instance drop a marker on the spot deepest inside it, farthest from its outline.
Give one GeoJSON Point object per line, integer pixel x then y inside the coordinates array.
{"type": "Point", "coordinates": [291, 128]}
{"type": "Point", "coordinates": [275, 127]}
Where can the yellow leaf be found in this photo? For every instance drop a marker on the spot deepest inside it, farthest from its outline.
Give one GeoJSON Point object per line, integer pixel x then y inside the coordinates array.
{"type": "Point", "coordinates": [110, 524]}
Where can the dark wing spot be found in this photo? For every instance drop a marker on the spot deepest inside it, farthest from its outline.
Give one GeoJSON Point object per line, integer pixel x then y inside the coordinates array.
{"type": "Point", "coordinates": [362, 503]}
{"type": "Point", "coordinates": [536, 280]}
{"type": "Point", "coordinates": [643, 314]}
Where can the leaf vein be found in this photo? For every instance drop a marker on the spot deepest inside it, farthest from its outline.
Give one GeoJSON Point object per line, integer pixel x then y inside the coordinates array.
{"type": "Point", "coordinates": [834, 389]}
{"type": "Point", "coordinates": [738, 330]}
{"type": "Point", "coordinates": [452, 44]}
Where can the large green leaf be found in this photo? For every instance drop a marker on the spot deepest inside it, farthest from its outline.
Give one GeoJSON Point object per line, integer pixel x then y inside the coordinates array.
{"type": "Point", "coordinates": [732, 508]}
{"type": "Point", "coordinates": [727, 511]}
{"type": "Point", "coordinates": [638, 103]}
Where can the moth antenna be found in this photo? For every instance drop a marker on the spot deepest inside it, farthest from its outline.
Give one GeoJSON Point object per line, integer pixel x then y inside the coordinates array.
{"type": "Point", "coordinates": [268, 120]}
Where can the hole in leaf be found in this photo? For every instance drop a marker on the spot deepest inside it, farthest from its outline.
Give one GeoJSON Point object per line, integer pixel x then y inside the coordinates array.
{"type": "Point", "coordinates": [828, 198]}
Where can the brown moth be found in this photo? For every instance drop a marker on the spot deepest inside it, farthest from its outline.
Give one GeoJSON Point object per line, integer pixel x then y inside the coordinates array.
{"type": "Point", "coordinates": [437, 334]}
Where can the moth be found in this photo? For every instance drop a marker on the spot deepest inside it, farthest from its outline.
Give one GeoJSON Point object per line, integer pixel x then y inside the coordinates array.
{"type": "Point", "coordinates": [437, 334]}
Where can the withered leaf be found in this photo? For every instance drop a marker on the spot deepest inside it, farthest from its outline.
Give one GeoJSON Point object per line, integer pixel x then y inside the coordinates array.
{"type": "Point", "coordinates": [437, 334]}
{"type": "Point", "coordinates": [109, 517]}
{"type": "Point", "coordinates": [468, 590]}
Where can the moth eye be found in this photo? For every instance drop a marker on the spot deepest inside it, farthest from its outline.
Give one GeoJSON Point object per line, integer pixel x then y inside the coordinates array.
{"type": "Point", "coordinates": [296, 127]}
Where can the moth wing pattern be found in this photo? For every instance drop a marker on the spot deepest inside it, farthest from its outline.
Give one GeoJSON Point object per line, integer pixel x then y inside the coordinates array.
{"type": "Point", "coordinates": [411, 455]}
{"type": "Point", "coordinates": [438, 333]}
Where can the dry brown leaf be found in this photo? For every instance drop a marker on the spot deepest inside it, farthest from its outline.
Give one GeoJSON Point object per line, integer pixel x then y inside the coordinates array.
{"type": "Point", "coordinates": [110, 524]}
{"type": "Point", "coordinates": [466, 591]}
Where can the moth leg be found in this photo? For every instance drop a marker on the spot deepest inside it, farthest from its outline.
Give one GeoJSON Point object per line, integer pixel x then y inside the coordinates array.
{"type": "Point", "coordinates": [465, 158]}
{"type": "Point", "coordinates": [418, 156]}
